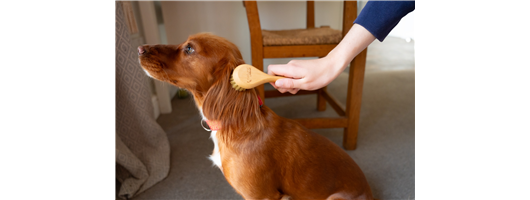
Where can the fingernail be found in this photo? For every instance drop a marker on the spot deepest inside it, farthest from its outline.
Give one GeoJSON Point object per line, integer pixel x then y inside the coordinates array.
{"type": "Point", "coordinates": [279, 83]}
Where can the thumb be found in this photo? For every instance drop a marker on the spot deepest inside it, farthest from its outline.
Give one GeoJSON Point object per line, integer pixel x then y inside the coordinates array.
{"type": "Point", "coordinates": [287, 83]}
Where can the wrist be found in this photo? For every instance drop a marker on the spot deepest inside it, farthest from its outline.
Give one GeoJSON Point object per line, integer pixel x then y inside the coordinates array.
{"type": "Point", "coordinates": [337, 62]}
{"type": "Point", "coordinates": [355, 41]}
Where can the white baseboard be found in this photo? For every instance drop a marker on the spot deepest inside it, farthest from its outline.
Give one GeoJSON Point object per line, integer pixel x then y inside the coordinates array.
{"type": "Point", "coordinates": [156, 108]}
{"type": "Point", "coordinates": [172, 91]}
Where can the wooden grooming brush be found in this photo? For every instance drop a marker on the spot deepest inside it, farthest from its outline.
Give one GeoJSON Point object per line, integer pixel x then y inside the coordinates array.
{"type": "Point", "coordinates": [247, 77]}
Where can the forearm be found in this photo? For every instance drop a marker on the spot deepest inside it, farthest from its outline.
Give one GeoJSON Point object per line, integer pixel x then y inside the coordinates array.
{"type": "Point", "coordinates": [355, 41]}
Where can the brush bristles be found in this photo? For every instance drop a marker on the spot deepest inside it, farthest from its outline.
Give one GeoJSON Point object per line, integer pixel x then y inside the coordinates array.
{"type": "Point", "coordinates": [235, 86]}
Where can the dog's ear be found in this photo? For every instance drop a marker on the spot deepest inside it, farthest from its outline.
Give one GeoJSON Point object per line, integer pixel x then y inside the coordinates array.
{"type": "Point", "coordinates": [229, 62]}
{"type": "Point", "coordinates": [236, 110]}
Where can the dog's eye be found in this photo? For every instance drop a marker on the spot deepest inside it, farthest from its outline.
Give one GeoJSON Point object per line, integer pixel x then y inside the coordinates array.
{"type": "Point", "coordinates": [189, 50]}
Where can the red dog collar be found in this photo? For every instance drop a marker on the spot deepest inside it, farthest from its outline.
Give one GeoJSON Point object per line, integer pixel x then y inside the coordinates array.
{"type": "Point", "coordinates": [260, 102]}
{"type": "Point", "coordinates": [212, 125]}
{"type": "Point", "coordinates": [216, 125]}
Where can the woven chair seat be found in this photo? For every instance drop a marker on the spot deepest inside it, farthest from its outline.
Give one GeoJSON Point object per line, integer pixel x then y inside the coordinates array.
{"type": "Point", "coordinates": [314, 36]}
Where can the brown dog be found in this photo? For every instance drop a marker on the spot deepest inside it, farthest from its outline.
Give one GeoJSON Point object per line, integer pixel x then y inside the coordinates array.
{"type": "Point", "coordinates": [262, 155]}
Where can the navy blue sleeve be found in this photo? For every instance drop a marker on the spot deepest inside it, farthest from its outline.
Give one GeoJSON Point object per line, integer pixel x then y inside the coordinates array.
{"type": "Point", "coordinates": [380, 17]}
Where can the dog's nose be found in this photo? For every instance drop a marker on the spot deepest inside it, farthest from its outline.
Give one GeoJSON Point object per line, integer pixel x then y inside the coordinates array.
{"type": "Point", "coordinates": [141, 50]}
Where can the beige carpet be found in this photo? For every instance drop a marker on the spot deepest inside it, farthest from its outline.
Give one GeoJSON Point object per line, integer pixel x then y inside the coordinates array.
{"type": "Point", "coordinates": [385, 150]}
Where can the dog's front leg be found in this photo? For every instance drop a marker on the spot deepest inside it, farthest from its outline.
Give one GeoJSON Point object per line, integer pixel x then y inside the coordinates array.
{"type": "Point", "coordinates": [276, 195]}
{"type": "Point", "coordinates": [260, 191]}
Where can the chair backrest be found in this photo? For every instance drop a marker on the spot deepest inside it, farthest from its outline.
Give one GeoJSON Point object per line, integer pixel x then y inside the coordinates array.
{"type": "Point", "coordinates": [253, 16]}
{"type": "Point", "coordinates": [349, 16]}
{"type": "Point", "coordinates": [256, 39]}
{"type": "Point", "coordinates": [310, 19]}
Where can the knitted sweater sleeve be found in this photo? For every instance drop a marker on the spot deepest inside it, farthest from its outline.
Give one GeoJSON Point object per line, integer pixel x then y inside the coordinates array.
{"type": "Point", "coordinates": [380, 17]}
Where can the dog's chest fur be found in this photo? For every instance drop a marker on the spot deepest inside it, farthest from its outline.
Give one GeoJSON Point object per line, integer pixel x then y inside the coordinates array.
{"type": "Point", "coordinates": [216, 156]}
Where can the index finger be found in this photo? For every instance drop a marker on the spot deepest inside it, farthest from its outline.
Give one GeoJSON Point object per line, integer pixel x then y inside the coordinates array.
{"type": "Point", "coordinates": [284, 70]}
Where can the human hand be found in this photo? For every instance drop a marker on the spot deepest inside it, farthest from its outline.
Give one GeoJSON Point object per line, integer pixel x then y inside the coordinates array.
{"type": "Point", "coordinates": [304, 74]}
{"type": "Point", "coordinates": [317, 73]}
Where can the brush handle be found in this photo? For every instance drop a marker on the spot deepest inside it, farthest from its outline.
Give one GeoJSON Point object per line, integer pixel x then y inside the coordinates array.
{"type": "Point", "coordinates": [271, 78]}
{"type": "Point", "coordinates": [247, 76]}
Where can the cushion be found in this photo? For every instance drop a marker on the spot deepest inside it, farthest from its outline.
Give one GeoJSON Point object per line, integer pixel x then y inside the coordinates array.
{"type": "Point", "coordinates": [314, 36]}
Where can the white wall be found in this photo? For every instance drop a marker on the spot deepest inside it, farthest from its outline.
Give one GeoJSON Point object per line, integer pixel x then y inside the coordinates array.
{"type": "Point", "coordinates": [228, 20]}
{"type": "Point", "coordinates": [225, 19]}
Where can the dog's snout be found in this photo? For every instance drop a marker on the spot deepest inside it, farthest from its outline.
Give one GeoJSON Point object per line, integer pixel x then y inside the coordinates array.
{"type": "Point", "coordinates": [141, 50]}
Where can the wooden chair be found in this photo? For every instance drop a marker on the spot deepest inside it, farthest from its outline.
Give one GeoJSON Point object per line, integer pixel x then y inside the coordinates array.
{"type": "Point", "coordinates": [283, 44]}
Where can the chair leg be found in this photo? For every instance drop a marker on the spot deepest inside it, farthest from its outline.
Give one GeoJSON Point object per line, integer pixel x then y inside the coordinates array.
{"type": "Point", "coordinates": [321, 101]}
{"type": "Point", "coordinates": [353, 100]}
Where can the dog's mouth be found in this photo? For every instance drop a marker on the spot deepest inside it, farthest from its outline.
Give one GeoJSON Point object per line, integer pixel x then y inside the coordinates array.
{"type": "Point", "coordinates": [150, 65]}
{"type": "Point", "coordinates": [148, 74]}
{"type": "Point", "coordinates": [153, 68]}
